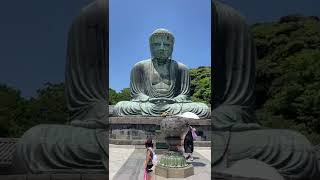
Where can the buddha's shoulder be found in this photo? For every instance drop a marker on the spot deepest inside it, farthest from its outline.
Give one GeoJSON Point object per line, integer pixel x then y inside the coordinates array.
{"type": "Point", "coordinates": [180, 65]}
{"type": "Point", "coordinates": [147, 62]}
{"type": "Point", "coordinates": [142, 63]}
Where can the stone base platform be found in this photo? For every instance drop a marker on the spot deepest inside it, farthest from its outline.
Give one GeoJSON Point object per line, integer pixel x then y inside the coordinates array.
{"type": "Point", "coordinates": [154, 120]}
{"type": "Point", "coordinates": [140, 127]}
{"type": "Point", "coordinates": [174, 172]}
{"type": "Point", "coordinates": [141, 142]}
{"type": "Point", "coordinates": [55, 177]}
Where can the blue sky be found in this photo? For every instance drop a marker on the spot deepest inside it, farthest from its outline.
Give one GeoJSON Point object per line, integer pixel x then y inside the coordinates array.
{"type": "Point", "coordinates": [33, 38]}
{"type": "Point", "coordinates": [132, 22]}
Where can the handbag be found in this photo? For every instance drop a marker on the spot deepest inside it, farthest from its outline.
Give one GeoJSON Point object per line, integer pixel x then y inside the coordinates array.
{"type": "Point", "coordinates": [194, 135]}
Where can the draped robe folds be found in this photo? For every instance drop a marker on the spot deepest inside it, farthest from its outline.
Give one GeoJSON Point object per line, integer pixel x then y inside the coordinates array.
{"type": "Point", "coordinates": [237, 134]}
{"type": "Point", "coordinates": [146, 82]}
{"type": "Point", "coordinates": [81, 146]}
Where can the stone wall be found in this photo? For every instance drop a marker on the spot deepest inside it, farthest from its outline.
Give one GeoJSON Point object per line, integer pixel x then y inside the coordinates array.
{"type": "Point", "coordinates": [138, 128]}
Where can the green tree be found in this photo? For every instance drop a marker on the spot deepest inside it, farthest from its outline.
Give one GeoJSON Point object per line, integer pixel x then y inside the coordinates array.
{"type": "Point", "coordinates": [11, 104]}
{"type": "Point", "coordinates": [123, 95]}
{"type": "Point", "coordinates": [113, 96]}
{"type": "Point", "coordinates": [288, 88]}
{"type": "Point", "coordinates": [47, 107]}
{"type": "Point", "coordinates": [201, 84]}
{"type": "Point", "coordinates": [18, 114]}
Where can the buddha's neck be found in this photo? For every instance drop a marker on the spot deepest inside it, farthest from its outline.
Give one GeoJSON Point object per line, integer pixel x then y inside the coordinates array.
{"type": "Point", "coordinates": [161, 62]}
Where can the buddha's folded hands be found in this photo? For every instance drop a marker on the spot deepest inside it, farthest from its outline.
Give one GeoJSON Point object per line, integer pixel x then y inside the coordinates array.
{"type": "Point", "coordinates": [182, 99]}
{"type": "Point", "coordinates": [162, 100]}
{"type": "Point", "coordinates": [141, 98]}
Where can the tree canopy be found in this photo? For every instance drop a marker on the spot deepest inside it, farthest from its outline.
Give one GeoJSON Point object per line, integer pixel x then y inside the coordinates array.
{"type": "Point", "coordinates": [288, 86]}
{"type": "Point", "coordinates": [18, 114]}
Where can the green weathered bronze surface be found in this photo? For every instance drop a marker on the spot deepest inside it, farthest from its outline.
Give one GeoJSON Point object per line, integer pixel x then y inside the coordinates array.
{"type": "Point", "coordinates": [161, 145]}
{"type": "Point", "coordinates": [173, 159]}
{"type": "Point", "coordinates": [160, 84]}
{"type": "Point", "coordinates": [167, 172]}
{"type": "Point", "coordinates": [160, 141]}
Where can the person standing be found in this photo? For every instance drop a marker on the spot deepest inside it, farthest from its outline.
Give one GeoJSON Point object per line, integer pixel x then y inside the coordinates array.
{"type": "Point", "coordinates": [188, 144]}
{"type": "Point", "coordinates": [148, 163]}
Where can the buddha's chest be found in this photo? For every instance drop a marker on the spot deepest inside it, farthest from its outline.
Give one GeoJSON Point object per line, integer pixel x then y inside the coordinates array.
{"type": "Point", "coordinates": [158, 77]}
{"type": "Point", "coordinates": [161, 80]}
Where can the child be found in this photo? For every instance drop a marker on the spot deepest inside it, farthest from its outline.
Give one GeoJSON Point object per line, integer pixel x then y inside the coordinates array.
{"type": "Point", "coordinates": [148, 163]}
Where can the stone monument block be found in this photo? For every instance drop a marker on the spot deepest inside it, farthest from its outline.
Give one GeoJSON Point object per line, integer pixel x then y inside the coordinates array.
{"type": "Point", "coordinates": [174, 172]}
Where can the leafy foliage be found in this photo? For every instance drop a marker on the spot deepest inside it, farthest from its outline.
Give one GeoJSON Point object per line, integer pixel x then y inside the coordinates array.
{"type": "Point", "coordinates": [201, 84]}
{"type": "Point", "coordinates": [18, 114]}
{"type": "Point", "coordinates": [115, 97]}
{"type": "Point", "coordinates": [288, 86]}
{"type": "Point", "coordinates": [11, 105]}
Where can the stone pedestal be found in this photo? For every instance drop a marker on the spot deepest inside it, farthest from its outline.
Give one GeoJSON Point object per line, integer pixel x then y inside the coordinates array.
{"type": "Point", "coordinates": [173, 164]}
{"type": "Point", "coordinates": [161, 144]}
{"type": "Point", "coordinates": [168, 172]}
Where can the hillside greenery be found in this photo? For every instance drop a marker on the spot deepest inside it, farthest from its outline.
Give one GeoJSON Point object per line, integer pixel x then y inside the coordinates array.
{"type": "Point", "coordinates": [17, 114]}
{"type": "Point", "coordinates": [288, 74]}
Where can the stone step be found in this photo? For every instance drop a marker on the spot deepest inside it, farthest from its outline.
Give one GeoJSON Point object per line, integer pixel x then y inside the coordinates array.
{"type": "Point", "coordinates": [141, 142]}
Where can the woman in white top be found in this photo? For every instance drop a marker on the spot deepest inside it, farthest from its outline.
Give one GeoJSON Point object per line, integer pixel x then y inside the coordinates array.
{"type": "Point", "coordinates": [148, 164]}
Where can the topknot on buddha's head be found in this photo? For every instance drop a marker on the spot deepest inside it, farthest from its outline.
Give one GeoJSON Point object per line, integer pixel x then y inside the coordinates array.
{"type": "Point", "coordinates": [162, 32]}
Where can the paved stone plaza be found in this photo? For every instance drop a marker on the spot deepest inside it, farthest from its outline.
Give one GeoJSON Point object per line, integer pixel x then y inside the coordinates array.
{"type": "Point", "coordinates": [126, 163]}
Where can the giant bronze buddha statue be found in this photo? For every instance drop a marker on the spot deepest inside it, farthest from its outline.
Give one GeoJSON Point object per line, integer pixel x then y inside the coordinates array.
{"type": "Point", "coordinates": [160, 84]}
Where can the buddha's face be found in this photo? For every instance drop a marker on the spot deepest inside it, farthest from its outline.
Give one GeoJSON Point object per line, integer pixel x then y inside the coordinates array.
{"type": "Point", "coordinates": [161, 47]}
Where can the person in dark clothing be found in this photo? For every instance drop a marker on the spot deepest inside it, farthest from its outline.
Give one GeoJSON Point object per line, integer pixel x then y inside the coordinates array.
{"type": "Point", "coordinates": [188, 144]}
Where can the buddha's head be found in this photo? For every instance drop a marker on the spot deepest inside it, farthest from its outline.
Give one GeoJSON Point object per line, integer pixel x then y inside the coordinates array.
{"type": "Point", "coordinates": [161, 44]}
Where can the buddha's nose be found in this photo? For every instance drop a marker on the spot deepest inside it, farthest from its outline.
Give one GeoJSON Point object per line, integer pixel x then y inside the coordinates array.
{"type": "Point", "coordinates": [161, 46]}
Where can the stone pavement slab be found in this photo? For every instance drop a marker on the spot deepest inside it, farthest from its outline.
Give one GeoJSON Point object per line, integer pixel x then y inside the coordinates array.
{"type": "Point", "coordinates": [132, 169]}
{"type": "Point", "coordinates": [205, 152]}
{"type": "Point", "coordinates": [118, 155]}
